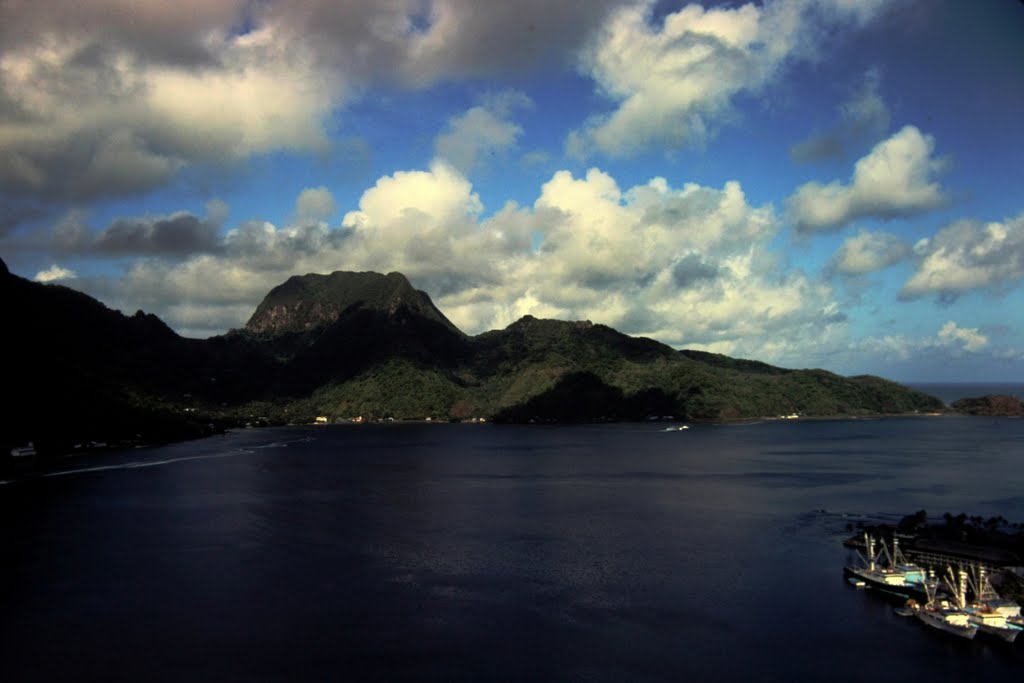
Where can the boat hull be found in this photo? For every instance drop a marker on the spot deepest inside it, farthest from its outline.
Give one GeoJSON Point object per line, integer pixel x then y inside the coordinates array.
{"type": "Point", "coordinates": [994, 624]}
{"type": "Point", "coordinates": [941, 620]}
{"type": "Point", "coordinates": [1007, 633]}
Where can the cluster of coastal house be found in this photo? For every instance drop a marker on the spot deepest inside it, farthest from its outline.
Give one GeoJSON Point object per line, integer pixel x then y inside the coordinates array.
{"type": "Point", "coordinates": [945, 585]}
{"type": "Point", "coordinates": [359, 419]}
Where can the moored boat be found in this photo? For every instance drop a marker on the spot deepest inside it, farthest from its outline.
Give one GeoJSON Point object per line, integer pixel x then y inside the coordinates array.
{"type": "Point", "coordinates": [945, 619]}
{"type": "Point", "coordinates": [993, 623]}
{"type": "Point", "coordinates": [992, 614]}
{"type": "Point", "coordinates": [945, 616]}
{"type": "Point", "coordinates": [895, 576]}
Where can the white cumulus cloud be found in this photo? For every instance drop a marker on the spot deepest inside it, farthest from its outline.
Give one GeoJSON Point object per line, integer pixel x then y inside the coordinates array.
{"type": "Point", "coordinates": [690, 265]}
{"type": "Point", "coordinates": [967, 338]}
{"type": "Point", "coordinates": [674, 82]}
{"type": "Point", "coordinates": [55, 273]}
{"type": "Point", "coordinates": [867, 252]}
{"type": "Point", "coordinates": [896, 179]}
{"type": "Point", "coordinates": [968, 255]}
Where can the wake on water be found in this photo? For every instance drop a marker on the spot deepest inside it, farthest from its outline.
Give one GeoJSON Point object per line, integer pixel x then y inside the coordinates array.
{"type": "Point", "coordinates": [153, 463]}
{"type": "Point", "coordinates": [168, 461]}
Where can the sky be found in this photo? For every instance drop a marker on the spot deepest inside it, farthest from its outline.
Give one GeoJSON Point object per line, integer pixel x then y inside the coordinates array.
{"type": "Point", "coordinates": [809, 183]}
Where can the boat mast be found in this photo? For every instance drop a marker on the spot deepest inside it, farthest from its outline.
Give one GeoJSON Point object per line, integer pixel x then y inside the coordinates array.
{"type": "Point", "coordinates": [983, 590]}
{"type": "Point", "coordinates": [930, 588]}
{"type": "Point", "coordinates": [897, 554]}
{"type": "Point", "coordinates": [885, 551]}
{"type": "Point", "coordinates": [957, 584]}
{"type": "Point", "coordinates": [869, 542]}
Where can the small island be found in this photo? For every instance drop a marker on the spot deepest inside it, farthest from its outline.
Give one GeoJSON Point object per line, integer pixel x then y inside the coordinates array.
{"type": "Point", "coordinates": [992, 405]}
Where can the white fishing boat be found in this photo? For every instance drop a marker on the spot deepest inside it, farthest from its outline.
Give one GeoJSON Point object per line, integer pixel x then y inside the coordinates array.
{"type": "Point", "coordinates": [887, 571]}
{"type": "Point", "coordinates": [947, 619]}
{"type": "Point", "coordinates": [985, 595]}
{"type": "Point", "coordinates": [945, 616]}
{"type": "Point", "coordinates": [993, 615]}
{"type": "Point", "coordinates": [993, 623]}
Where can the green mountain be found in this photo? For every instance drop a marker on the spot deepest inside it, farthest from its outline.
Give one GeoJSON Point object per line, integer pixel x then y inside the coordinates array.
{"type": "Point", "coordinates": [364, 344]}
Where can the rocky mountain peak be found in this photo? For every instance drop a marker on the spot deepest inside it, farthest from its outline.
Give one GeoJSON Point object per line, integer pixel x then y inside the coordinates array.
{"type": "Point", "coordinates": [305, 303]}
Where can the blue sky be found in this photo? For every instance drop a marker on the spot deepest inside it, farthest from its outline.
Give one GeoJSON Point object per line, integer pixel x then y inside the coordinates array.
{"type": "Point", "coordinates": [810, 183]}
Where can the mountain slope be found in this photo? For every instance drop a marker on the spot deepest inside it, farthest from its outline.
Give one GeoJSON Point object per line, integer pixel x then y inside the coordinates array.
{"type": "Point", "coordinates": [551, 368]}
{"type": "Point", "coordinates": [77, 371]}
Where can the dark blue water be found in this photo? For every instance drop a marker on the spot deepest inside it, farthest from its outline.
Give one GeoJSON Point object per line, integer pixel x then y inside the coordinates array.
{"type": "Point", "coordinates": [479, 552]}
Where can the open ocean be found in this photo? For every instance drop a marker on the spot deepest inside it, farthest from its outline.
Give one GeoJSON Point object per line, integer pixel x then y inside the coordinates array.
{"type": "Point", "coordinates": [493, 553]}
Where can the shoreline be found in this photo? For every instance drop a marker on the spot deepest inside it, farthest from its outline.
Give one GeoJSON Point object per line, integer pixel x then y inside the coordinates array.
{"type": "Point", "coordinates": [14, 469]}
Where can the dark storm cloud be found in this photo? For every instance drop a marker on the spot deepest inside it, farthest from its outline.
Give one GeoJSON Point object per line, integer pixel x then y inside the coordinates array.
{"type": "Point", "coordinates": [443, 284]}
{"type": "Point", "coordinates": [179, 235]}
{"type": "Point", "coordinates": [638, 319]}
{"type": "Point", "coordinates": [159, 31]}
{"type": "Point", "coordinates": [173, 237]}
{"type": "Point", "coordinates": [692, 269]}
{"type": "Point", "coordinates": [14, 213]}
{"type": "Point", "coordinates": [112, 98]}
{"type": "Point", "coordinates": [418, 42]}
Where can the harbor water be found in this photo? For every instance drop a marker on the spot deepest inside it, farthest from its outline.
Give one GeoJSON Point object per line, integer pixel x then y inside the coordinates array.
{"type": "Point", "coordinates": [486, 552]}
